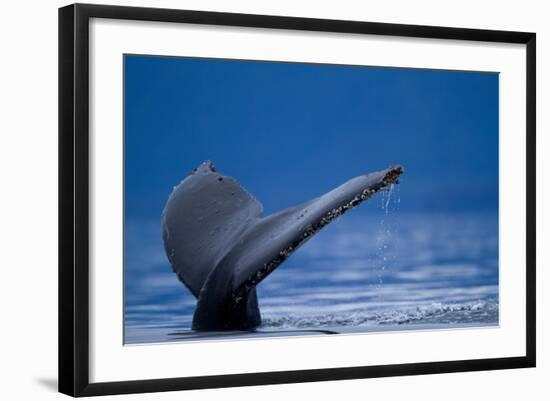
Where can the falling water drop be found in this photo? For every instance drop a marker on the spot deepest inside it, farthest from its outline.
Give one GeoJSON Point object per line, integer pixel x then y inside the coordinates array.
{"type": "Point", "coordinates": [389, 202]}
{"type": "Point", "coordinates": [398, 200]}
{"type": "Point", "coordinates": [388, 199]}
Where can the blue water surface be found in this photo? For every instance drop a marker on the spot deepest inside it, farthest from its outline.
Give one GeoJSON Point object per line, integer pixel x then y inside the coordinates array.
{"type": "Point", "coordinates": [364, 271]}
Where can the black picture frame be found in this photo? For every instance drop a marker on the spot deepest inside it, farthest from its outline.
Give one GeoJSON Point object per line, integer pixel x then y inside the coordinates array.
{"type": "Point", "coordinates": [74, 198]}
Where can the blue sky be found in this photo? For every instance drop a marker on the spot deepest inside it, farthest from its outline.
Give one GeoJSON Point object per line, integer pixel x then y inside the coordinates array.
{"type": "Point", "coordinates": [290, 131]}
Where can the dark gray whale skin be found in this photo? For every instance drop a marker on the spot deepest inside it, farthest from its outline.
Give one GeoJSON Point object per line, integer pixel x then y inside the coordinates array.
{"type": "Point", "coordinates": [221, 247]}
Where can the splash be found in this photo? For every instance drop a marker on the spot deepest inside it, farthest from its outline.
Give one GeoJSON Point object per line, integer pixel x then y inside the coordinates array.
{"type": "Point", "coordinates": [481, 311]}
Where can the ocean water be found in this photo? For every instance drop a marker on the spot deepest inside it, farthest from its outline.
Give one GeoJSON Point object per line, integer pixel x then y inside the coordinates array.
{"type": "Point", "coordinates": [375, 271]}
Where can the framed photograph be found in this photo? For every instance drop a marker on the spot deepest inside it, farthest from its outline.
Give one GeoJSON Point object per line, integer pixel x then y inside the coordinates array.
{"type": "Point", "coordinates": [251, 199]}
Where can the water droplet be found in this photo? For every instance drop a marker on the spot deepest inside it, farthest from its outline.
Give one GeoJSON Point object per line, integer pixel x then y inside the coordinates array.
{"type": "Point", "coordinates": [387, 203]}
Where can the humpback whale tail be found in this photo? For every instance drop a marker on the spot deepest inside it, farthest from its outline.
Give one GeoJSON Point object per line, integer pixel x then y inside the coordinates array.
{"type": "Point", "coordinates": [220, 246]}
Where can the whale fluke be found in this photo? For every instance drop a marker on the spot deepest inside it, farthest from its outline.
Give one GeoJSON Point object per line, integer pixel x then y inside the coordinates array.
{"type": "Point", "coordinates": [220, 246]}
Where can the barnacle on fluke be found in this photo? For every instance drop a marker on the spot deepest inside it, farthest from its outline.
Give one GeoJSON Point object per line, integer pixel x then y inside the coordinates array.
{"type": "Point", "coordinates": [221, 247]}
